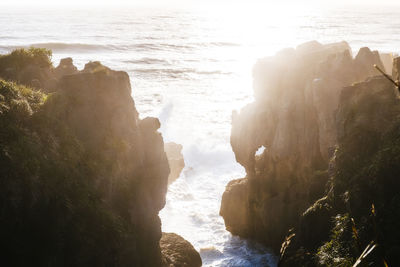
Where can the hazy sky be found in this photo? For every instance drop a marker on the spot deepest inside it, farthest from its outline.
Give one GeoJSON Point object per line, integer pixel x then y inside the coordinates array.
{"type": "Point", "coordinates": [180, 2]}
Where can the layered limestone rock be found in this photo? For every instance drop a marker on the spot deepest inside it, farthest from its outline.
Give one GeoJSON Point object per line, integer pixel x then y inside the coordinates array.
{"type": "Point", "coordinates": [177, 252]}
{"type": "Point", "coordinates": [175, 160]}
{"type": "Point", "coordinates": [296, 95]}
{"type": "Point", "coordinates": [83, 178]}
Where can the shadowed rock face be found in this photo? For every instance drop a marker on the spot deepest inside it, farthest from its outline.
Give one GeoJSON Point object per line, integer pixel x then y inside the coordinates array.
{"type": "Point", "coordinates": [102, 115]}
{"type": "Point", "coordinates": [178, 252]}
{"type": "Point", "coordinates": [175, 160]}
{"type": "Point", "coordinates": [296, 95]}
{"type": "Point", "coordinates": [83, 178]}
{"type": "Point", "coordinates": [364, 171]}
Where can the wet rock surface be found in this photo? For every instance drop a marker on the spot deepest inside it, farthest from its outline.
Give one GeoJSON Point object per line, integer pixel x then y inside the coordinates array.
{"type": "Point", "coordinates": [177, 252]}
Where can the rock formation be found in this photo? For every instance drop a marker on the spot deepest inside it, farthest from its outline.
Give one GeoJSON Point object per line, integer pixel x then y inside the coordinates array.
{"type": "Point", "coordinates": [396, 69]}
{"type": "Point", "coordinates": [175, 160]}
{"type": "Point", "coordinates": [235, 207]}
{"type": "Point", "coordinates": [387, 61]}
{"type": "Point", "coordinates": [296, 95]}
{"type": "Point", "coordinates": [66, 67]}
{"type": "Point", "coordinates": [178, 252]}
{"type": "Point", "coordinates": [362, 193]}
{"type": "Point", "coordinates": [82, 177]}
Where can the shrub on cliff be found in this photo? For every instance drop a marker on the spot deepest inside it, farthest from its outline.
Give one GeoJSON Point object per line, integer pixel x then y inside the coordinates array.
{"type": "Point", "coordinates": [31, 67]}
{"type": "Point", "coordinates": [368, 165]}
{"type": "Point", "coordinates": [68, 200]}
{"type": "Point", "coordinates": [366, 172]}
{"type": "Point", "coordinates": [339, 249]}
{"type": "Point", "coordinates": [51, 214]}
{"type": "Point", "coordinates": [372, 178]}
{"type": "Point", "coordinates": [22, 58]}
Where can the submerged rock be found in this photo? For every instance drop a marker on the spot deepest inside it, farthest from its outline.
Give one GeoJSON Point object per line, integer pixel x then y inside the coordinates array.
{"type": "Point", "coordinates": [296, 95]}
{"type": "Point", "coordinates": [177, 252]}
{"type": "Point", "coordinates": [175, 160]}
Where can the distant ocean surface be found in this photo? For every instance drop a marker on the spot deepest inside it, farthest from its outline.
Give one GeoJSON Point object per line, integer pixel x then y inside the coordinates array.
{"type": "Point", "coordinates": [191, 68]}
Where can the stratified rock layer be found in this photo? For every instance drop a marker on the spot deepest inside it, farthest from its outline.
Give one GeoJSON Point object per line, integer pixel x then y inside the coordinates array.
{"type": "Point", "coordinates": [296, 95]}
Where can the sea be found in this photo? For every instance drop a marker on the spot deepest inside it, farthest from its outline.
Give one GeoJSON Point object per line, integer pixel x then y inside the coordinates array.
{"type": "Point", "coordinates": [191, 67]}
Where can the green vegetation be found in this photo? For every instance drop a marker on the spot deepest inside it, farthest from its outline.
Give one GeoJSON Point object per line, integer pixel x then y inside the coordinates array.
{"type": "Point", "coordinates": [22, 58]}
{"type": "Point", "coordinates": [81, 179]}
{"type": "Point", "coordinates": [31, 67]}
{"type": "Point", "coordinates": [51, 214]}
{"type": "Point", "coordinates": [338, 250]}
{"type": "Point", "coordinates": [366, 174]}
{"type": "Point", "coordinates": [372, 178]}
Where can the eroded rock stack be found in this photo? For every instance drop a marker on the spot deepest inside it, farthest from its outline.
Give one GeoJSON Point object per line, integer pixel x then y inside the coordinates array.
{"type": "Point", "coordinates": [297, 93]}
{"type": "Point", "coordinates": [83, 178]}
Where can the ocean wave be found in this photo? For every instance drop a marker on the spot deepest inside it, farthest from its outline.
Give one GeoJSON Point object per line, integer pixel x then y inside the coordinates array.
{"type": "Point", "coordinates": [62, 46]}
{"type": "Point", "coordinates": [146, 60]}
{"type": "Point", "coordinates": [150, 60]}
{"type": "Point", "coordinates": [169, 71]}
{"type": "Point", "coordinates": [144, 46]}
{"type": "Point", "coordinates": [210, 253]}
{"type": "Point", "coordinates": [224, 44]}
{"type": "Point", "coordinates": [164, 116]}
{"type": "Point", "coordinates": [159, 46]}
{"type": "Point", "coordinates": [86, 47]}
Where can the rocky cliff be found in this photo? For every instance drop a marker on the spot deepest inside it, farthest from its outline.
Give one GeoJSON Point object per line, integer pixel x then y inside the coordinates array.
{"type": "Point", "coordinates": [82, 177]}
{"type": "Point", "coordinates": [362, 200]}
{"type": "Point", "coordinates": [294, 119]}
